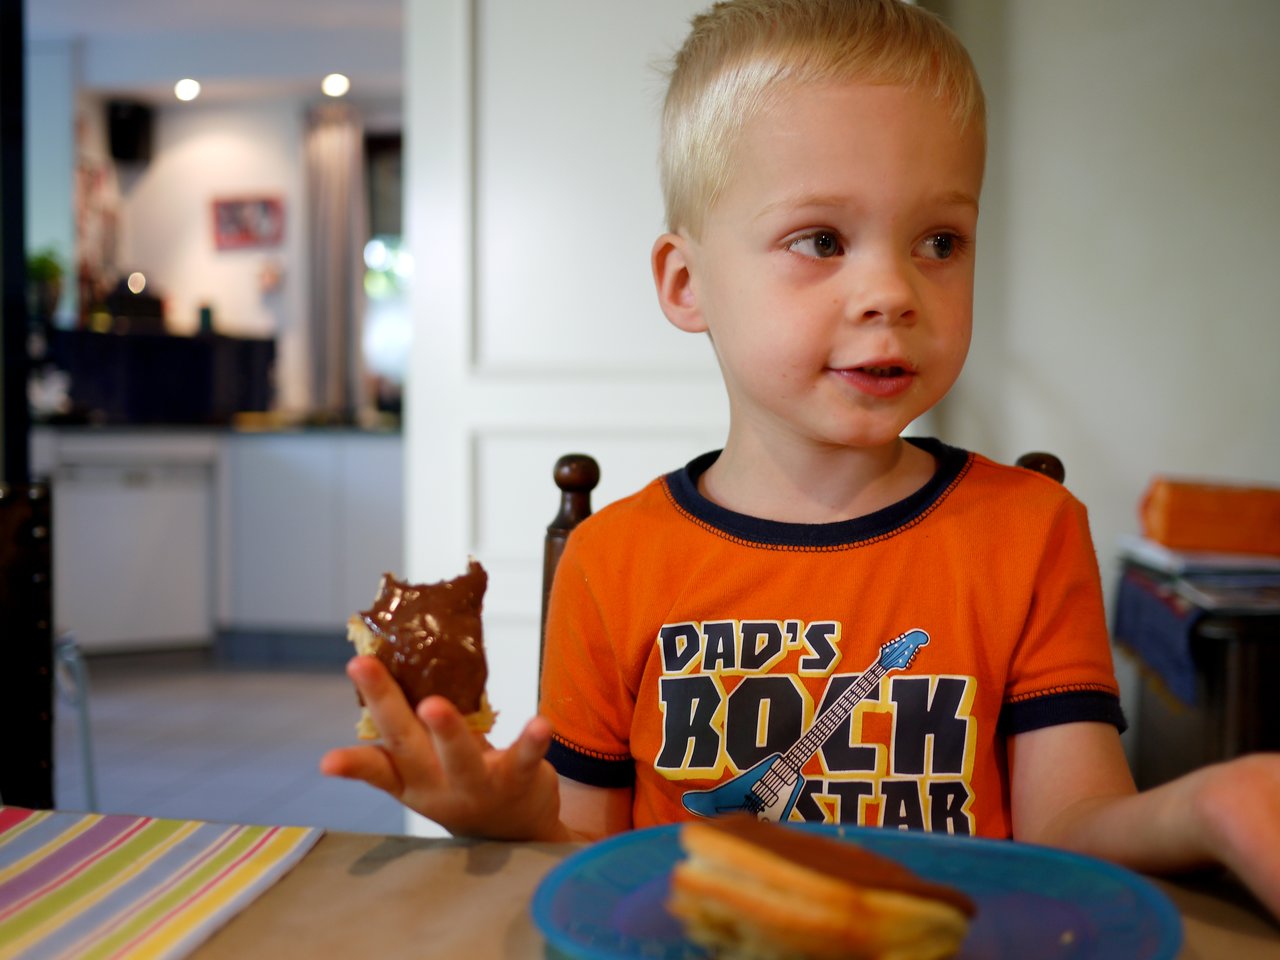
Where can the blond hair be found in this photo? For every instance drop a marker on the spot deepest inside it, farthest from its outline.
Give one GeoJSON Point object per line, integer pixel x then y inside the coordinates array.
{"type": "Point", "coordinates": [740, 55]}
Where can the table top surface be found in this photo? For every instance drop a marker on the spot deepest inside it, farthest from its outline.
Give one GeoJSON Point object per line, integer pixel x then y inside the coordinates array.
{"type": "Point", "coordinates": [366, 895]}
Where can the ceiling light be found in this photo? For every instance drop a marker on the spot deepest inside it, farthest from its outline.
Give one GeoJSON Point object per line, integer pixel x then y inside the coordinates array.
{"type": "Point", "coordinates": [335, 85]}
{"type": "Point", "coordinates": [187, 89]}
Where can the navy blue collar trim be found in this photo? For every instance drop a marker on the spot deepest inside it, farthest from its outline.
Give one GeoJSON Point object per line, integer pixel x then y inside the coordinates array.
{"type": "Point", "coordinates": [683, 486]}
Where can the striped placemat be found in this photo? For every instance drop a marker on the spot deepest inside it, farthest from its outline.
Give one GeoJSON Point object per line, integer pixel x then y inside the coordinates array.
{"type": "Point", "coordinates": [95, 886]}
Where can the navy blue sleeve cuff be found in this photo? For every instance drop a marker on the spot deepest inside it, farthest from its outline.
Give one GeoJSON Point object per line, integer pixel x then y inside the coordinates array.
{"type": "Point", "coordinates": [593, 771]}
{"type": "Point", "coordinates": [1073, 706]}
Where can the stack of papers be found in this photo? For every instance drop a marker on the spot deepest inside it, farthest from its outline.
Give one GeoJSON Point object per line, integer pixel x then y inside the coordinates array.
{"type": "Point", "coordinates": [1220, 582]}
{"type": "Point", "coordinates": [1183, 562]}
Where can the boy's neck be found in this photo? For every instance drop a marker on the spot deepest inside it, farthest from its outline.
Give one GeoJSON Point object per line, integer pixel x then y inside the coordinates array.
{"type": "Point", "coordinates": [815, 484]}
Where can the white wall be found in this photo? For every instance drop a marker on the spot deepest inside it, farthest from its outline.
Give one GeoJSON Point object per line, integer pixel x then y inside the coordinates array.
{"type": "Point", "coordinates": [1128, 313]}
{"type": "Point", "coordinates": [1128, 307]}
{"type": "Point", "coordinates": [200, 153]}
{"type": "Point", "coordinates": [532, 205]}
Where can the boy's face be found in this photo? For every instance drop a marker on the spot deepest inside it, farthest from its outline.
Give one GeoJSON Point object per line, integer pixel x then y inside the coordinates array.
{"type": "Point", "coordinates": [835, 272]}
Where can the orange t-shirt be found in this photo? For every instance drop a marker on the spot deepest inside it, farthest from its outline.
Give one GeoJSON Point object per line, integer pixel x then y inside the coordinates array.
{"type": "Point", "coordinates": [867, 671]}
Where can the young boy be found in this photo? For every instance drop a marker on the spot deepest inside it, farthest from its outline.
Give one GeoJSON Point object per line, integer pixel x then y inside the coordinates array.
{"type": "Point", "coordinates": [823, 620]}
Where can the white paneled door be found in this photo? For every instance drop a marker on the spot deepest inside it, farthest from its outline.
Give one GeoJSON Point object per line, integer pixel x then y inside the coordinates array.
{"type": "Point", "coordinates": [532, 203]}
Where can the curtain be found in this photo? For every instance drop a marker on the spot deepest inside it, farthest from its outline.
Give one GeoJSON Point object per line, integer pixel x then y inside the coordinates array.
{"type": "Point", "coordinates": [338, 223]}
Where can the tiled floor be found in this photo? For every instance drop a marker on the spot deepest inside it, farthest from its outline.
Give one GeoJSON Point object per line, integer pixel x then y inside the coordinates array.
{"type": "Point", "coordinates": [177, 735]}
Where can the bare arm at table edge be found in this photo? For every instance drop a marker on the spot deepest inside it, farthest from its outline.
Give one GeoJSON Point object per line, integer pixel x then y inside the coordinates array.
{"type": "Point", "coordinates": [1071, 788]}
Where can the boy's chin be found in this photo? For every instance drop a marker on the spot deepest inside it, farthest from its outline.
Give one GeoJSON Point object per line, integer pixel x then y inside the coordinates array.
{"type": "Point", "coordinates": [879, 436]}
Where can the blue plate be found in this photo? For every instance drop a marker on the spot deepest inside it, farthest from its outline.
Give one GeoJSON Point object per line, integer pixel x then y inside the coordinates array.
{"type": "Point", "coordinates": [607, 902]}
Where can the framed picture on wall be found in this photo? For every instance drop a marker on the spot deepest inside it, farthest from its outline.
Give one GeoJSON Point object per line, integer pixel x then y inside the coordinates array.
{"type": "Point", "coordinates": [248, 222]}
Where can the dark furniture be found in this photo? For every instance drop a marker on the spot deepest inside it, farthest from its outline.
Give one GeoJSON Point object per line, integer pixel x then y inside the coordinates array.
{"type": "Point", "coordinates": [145, 378]}
{"type": "Point", "coordinates": [1209, 670]}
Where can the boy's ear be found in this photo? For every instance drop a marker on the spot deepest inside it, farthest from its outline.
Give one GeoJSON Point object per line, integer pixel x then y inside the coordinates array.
{"type": "Point", "coordinates": [673, 276]}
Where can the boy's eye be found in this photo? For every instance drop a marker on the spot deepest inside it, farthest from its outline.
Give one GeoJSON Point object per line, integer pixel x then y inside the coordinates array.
{"type": "Point", "coordinates": [820, 244]}
{"type": "Point", "coordinates": [942, 246]}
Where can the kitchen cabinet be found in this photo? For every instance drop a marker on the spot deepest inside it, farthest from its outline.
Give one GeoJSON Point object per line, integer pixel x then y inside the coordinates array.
{"type": "Point", "coordinates": [313, 520]}
{"type": "Point", "coordinates": [169, 538]}
{"type": "Point", "coordinates": [132, 535]}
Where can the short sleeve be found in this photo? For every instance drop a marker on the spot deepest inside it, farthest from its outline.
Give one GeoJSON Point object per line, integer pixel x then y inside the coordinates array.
{"type": "Point", "coordinates": [1061, 670]}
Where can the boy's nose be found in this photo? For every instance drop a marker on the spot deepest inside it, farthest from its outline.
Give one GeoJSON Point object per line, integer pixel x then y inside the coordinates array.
{"type": "Point", "coordinates": [882, 292]}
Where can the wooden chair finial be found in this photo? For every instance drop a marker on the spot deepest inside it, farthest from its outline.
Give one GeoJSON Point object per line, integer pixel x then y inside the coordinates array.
{"type": "Point", "coordinates": [1045, 463]}
{"type": "Point", "coordinates": [576, 474]}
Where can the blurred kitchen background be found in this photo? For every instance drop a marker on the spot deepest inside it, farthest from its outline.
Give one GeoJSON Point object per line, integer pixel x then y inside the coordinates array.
{"type": "Point", "coordinates": [218, 335]}
{"type": "Point", "coordinates": [222, 329]}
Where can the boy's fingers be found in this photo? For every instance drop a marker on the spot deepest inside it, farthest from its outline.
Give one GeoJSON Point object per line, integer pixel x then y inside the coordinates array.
{"type": "Point", "coordinates": [368, 764]}
{"type": "Point", "coordinates": [405, 745]}
{"type": "Point", "coordinates": [517, 766]}
{"type": "Point", "coordinates": [385, 701]}
{"type": "Point", "coordinates": [531, 746]}
{"type": "Point", "coordinates": [371, 677]}
{"type": "Point", "coordinates": [457, 749]}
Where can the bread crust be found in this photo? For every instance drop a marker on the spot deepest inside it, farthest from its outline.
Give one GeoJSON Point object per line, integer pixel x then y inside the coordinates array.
{"type": "Point", "coordinates": [750, 903]}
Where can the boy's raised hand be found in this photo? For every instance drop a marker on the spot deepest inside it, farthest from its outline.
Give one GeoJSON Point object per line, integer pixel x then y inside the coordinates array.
{"type": "Point", "coordinates": [436, 766]}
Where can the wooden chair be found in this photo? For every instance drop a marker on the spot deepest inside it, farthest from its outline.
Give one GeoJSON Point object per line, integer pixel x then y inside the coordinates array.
{"type": "Point", "coordinates": [1045, 463]}
{"type": "Point", "coordinates": [577, 474]}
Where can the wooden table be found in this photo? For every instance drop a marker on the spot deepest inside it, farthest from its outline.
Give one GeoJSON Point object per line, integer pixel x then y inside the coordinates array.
{"type": "Point", "coordinates": [360, 895]}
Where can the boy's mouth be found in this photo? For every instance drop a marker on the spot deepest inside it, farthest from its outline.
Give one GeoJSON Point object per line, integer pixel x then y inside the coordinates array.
{"type": "Point", "coordinates": [884, 380]}
{"type": "Point", "coordinates": [884, 370]}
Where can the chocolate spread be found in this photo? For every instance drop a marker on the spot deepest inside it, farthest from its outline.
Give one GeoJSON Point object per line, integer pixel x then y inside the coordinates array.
{"type": "Point", "coordinates": [432, 641]}
{"type": "Point", "coordinates": [840, 859]}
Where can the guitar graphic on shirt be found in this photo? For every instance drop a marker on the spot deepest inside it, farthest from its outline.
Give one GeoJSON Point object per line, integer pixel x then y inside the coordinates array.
{"type": "Point", "coordinates": [770, 788]}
